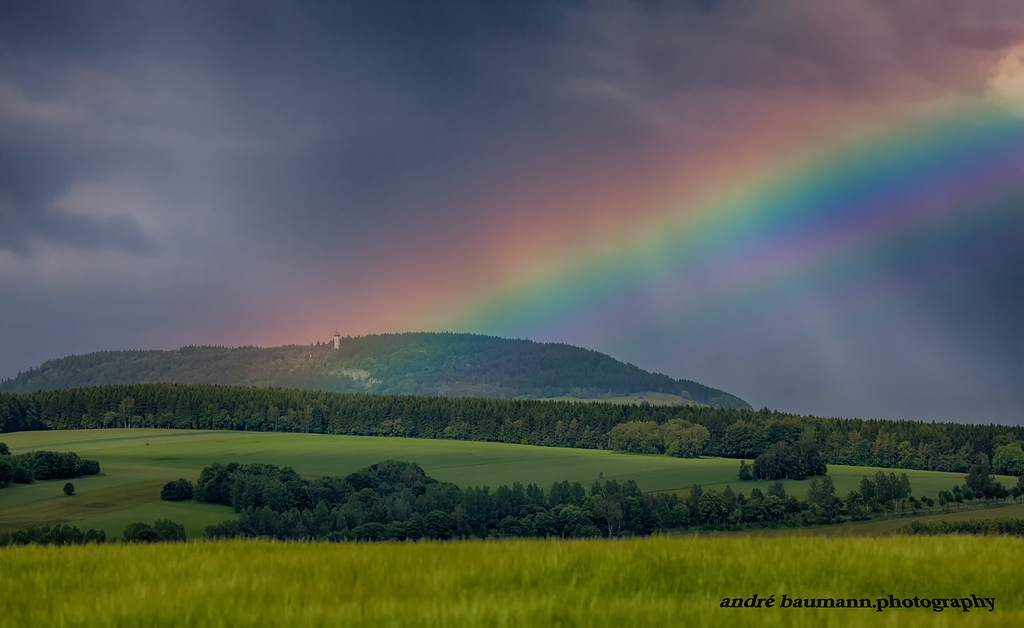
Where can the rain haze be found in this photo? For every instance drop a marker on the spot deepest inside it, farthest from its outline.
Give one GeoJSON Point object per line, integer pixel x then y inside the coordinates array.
{"type": "Point", "coordinates": [818, 207]}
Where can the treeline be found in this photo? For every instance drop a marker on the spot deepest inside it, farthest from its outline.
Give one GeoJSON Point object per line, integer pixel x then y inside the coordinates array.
{"type": "Point", "coordinates": [43, 465]}
{"type": "Point", "coordinates": [398, 501]}
{"type": "Point", "coordinates": [162, 531]}
{"type": "Point", "coordinates": [980, 484]}
{"type": "Point", "coordinates": [1005, 525]}
{"type": "Point", "coordinates": [733, 433]}
{"type": "Point", "coordinates": [882, 493]}
{"type": "Point", "coordinates": [57, 535]}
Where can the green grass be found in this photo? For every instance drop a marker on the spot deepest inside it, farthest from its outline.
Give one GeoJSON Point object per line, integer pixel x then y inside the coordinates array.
{"type": "Point", "coordinates": [646, 582]}
{"type": "Point", "coordinates": [137, 462]}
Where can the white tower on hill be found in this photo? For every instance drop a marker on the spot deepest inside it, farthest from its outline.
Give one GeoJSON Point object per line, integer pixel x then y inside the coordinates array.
{"type": "Point", "coordinates": [337, 341]}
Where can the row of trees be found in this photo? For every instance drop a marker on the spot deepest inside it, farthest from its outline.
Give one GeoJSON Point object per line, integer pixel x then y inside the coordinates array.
{"type": "Point", "coordinates": [163, 530]}
{"type": "Point", "coordinates": [888, 493]}
{"type": "Point", "coordinates": [736, 433]}
{"type": "Point", "coordinates": [1002, 526]}
{"type": "Point", "coordinates": [397, 500]}
{"type": "Point", "coordinates": [821, 506]}
{"type": "Point", "coordinates": [42, 465]}
{"type": "Point", "coordinates": [57, 535]}
{"type": "Point", "coordinates": [980, 484]}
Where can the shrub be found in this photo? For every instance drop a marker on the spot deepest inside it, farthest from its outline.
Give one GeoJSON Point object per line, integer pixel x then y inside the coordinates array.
{"type": "Point", "coordinates": [162, 530]}
{"type": "Point", "coordinates": [139, 532]}
{"type": "Point", "coordinates": [168, 530]}
{"type": "Point", "coordinates": [23, 475]}
{"type": "Point", "coordinates": [746, 472]}
{"type": "Point", "coordinates": [89, 467]}
{"type": "Point", "coordinates": [177, 491]}
{"type": "Point", "coordinates": [69, 489]}
{"type": "Point", "coordinates": [52, 465]}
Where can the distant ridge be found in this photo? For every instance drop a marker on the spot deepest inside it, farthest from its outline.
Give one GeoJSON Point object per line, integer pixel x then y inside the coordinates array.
{"type": "Point", "coordinates": [447, 364]}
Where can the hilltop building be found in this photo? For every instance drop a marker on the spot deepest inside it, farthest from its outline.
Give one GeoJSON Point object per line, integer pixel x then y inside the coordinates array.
{"type": "Point", "coordinates": [337, 341]}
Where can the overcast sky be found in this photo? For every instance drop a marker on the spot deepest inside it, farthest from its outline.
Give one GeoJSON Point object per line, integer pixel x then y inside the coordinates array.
{"type": "Point", "coordinates": [267, 173]}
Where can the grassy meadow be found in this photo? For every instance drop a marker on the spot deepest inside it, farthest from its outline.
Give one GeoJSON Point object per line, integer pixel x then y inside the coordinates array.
{"type": "Point", "coordinates": [137, 462]}
{"type": "Point", "coordinates": [642, 582]}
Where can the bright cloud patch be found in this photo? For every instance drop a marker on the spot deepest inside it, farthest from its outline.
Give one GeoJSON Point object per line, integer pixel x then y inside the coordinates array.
{"type": "Point", "coordinates": [1007, 82]}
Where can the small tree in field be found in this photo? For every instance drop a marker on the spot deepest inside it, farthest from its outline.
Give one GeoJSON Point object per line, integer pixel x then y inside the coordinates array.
{"type": "Point", "coordinates": [69, 489]}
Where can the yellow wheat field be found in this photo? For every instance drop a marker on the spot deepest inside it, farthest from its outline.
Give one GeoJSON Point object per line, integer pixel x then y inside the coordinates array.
{"type": "Point", "coordinates": [645, 582]}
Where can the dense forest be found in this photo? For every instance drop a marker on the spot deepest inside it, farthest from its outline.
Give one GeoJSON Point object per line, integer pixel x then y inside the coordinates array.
{"type": "Point", "coordinates": [733, 433]}
{"type": "Point", "coordinates": [412, 364]}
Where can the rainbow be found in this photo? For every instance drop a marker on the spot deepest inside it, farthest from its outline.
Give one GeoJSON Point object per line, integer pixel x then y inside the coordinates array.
{"type": "Point", "coordinates": [826, 224]}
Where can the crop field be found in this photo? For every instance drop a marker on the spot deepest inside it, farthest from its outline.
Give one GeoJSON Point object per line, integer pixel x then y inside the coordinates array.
{"type": "Point", "coordinates": [643, 582]}
{"type": "Point", "coordinates": [137, 462]}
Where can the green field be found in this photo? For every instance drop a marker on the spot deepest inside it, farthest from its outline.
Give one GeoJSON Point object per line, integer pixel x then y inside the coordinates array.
{"type": "Point", "coordinates": [137, 462]}
{"type": "Point", "coordinates": [643, 582]}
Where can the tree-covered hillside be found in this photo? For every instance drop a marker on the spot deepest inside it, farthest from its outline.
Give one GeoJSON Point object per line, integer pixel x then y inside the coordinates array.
{"type": "Point", "coordinates": [447, 364]}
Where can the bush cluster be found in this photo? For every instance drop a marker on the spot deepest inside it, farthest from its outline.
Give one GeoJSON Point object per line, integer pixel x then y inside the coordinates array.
{"type": "Point", "coordinates": [676, 437]}
{"type": "Point", "coordinates": [43, 465]}
{"type": "Point", "coordinates": [163, 530]}
{"type": "Point", "coordinates": [177, 491]}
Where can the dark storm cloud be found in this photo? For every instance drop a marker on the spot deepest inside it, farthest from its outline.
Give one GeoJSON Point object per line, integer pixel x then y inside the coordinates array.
{"type": "Point", "coordinates": [352, 111]}
{"type": "Point", "coordinates": [168, 171]}
{"type": "Point", "coordinates": [64, 228]}
{"type": "Point", "coordinates": [359, 111]}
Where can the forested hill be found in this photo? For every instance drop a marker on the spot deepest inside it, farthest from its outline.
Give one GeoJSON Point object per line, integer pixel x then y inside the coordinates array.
{"type": "Point", "coordinates": [458, 365]}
